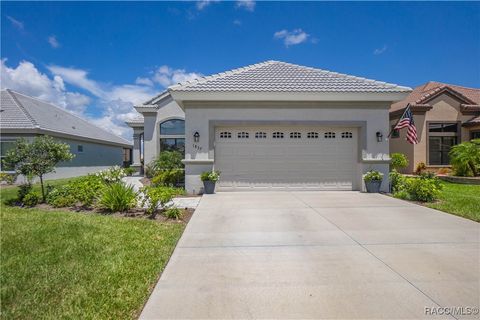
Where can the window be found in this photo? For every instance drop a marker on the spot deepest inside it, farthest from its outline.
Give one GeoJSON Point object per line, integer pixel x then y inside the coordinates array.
{"type": "Point", "coordinates": [347, 135]}
{"type": "Point", "coordinates": [395, 133]}
{"type": "Point", "coordinates": [475, 135]}
{"type": "Point", "coordinates": [260, 135]}
{"type": "Point", "coordinates": [79, 148]}
{"type": "Point", "coordinates": [172, 144]}
{"type": "Point", "coordinates": [441, 137]}
{"type": "Point", "coordinates": [242, 135]}
{"type": "Point", "coordinates": [225, 135]}
{"type": "Point", "coordinates": [172, 127]}
{"type": "Point", "coordinates": [312, 135]}
{"type": "Point", "coordinates": [295, 135]}
{"type": "Point", "coordinates": [4, 147]}
{"type": "Point", "coordinates": [277, 135]}
{"type": "Point", "coordinates": [329, 135]}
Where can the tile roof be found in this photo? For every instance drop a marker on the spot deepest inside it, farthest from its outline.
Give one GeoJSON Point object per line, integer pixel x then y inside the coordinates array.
{"type": "Point", "coordinates": [23, 112]}
{"type": "Point", "coordinates": [276, 76]}
{"type": "Point", "coordinates": [473, 121]}
{"type": "Point", "coordinates": [422, 93]}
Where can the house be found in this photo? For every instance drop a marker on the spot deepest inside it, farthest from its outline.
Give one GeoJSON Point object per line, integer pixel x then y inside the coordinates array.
{"type": "Point", "coordinates": [444, 115]}
{"type": "Point", "coordinates": [272, 126]}
{"type": "Point", "coordinates": [26, 117]}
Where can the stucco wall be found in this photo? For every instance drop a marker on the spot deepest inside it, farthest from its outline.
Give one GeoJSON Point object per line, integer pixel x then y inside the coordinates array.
{"type": "Point", "coordinates": [168, 109]}
{"type": "Point", "coordinates": [445, 108]}
{"type": "Point", "coordinates": [199, 117]}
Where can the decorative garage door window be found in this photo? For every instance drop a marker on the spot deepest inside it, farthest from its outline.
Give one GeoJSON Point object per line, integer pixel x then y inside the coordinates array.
{"type": "Point", "coordinates": [277, 135]}
{"type": "Point", "coordinates": [295, 135]}
{"type": "Point", "coordinates": [242, 135]}
{"type": "Point", "coordinates": [329, 135]}
{"type": "Point", "coordinates": [312, 135]}
{"type": "Point", "coordinates": [225, 135]}
{"type": "Point", "coordinates": [347, 135]}
{"type": "Point", "coordinates": [260, 135]}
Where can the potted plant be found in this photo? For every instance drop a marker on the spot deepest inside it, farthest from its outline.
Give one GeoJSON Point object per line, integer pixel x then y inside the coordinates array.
{"type": "Point", "coordinates": [209, 179]}
{"type": "Point", "coordinates": [373, 181]}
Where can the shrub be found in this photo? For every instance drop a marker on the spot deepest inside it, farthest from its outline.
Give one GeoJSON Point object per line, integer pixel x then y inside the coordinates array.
{"type": "Point", "coordinates": [129, 171]}
{"type": "Point", "coordinates": [8, 178]}
{"type": "Point", "coordinates": [117, 197]}
{"type": "Point", "coordinates": [173, 213]}
{"type": "Point", "coordinates": [149, 171]}
{"type": "Point", "coordinates": [465, 158]}
{"type": "Point", "coordinates": [399, 161]}
{"type": "Point", "coordinates": [112, 175]}
{"type": "Point", "coordinates": [168, 177]}
{"type": "Point", "coordinates": [61, 197]}
{"type": "Point", "coordinates": [373, 175]}
{"type": "Point", "coordinates": [397, 181]}
{"type": "Point", "coordinates": [445, 171]}
{"type": "Point", "coordinates": [210, 176]}
{"type": "Point", "coordinates": [31, 199]}
{"type": "Point", "coordinates": [168, 160]}
{"type": "Point", "coordinates": [421, 166]}
{"type": "Point", "coordinates": [86, 189]}
{"type": "Point", "coordinates": [23, 190]}
{"type": "Point", "coordinates": [424, 189]}
{"type": "Point", "coordinates": [156, 197]}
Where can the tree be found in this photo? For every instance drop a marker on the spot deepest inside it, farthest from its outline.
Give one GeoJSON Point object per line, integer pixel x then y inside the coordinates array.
{"type": "Point", "coordinates": [465, 158]}
{"type": "Point", "coordinates": [37, 158]}
{"type": "Point", "coordinates": [399, 161]}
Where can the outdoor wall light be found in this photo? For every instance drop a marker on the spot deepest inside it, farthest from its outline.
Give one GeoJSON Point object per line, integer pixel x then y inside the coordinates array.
{"type": "Point", "coordinates": [379, 136]}
{"type": "Point", "coordinates": [196, 136]}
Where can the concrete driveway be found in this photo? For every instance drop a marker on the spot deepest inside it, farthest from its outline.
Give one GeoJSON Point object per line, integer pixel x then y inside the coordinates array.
{"type": "Point", "coordinates": [319, 255]}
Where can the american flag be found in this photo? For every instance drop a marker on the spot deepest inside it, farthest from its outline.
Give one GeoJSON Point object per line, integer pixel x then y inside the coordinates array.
{"type": "Point", "coordinates": [407, 121]}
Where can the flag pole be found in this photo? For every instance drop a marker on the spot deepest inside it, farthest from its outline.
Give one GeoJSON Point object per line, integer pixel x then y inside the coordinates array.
{"type": "Point", "coordinates": [405, 111]}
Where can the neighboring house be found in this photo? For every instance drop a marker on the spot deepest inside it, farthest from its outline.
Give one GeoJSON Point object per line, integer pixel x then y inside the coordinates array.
{"type": "Point", "coordinates": [444, 115]}
{"type": "Point", "coordinates": [272, 126]}
{"type": "Point", "coordinates": [95, 149]}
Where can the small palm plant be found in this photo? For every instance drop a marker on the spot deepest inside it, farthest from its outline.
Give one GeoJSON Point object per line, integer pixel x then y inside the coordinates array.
{"type": "Point", "coordinates": [117, 197]}
{"type": "Point", "coordinates": [465, 158]}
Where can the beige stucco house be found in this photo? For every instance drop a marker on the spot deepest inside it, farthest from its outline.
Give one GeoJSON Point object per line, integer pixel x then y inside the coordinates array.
{"type": "Point", "coordinates": [272, 126]}
{"type": "Point", "coordinates": [444, 115]}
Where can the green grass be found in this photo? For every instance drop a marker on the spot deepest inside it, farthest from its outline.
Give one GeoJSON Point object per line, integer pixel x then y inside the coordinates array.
{"type": "Point", "coordinates": [64, 265]}
{"type": "Point", "coordinates": [459, 199]}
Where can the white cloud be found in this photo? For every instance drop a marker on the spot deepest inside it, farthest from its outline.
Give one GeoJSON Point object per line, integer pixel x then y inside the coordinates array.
{"type": "Point", "coordinates": [237, 22]}
{"type": "Point", "coordinates": [381, 50]}
{"type": "Point", "coordinates": [52, 40]}
{"type": "Point", "coordinates": [248, 5]}
{"type": "Point", "coordinates": [291, 38]}
{"type": "Point", "coordinates": [27, 79]}
{"type": "Point", "coordinates": [204, 3]}
{"type": "Point", "coordinates": [166, 76]}
{"type": "Point", "coordinates": [144, 81]}
{"type": "Point", "coordinates": [77, 77]}
{"type": "Point", "coordinates": [16, 23]}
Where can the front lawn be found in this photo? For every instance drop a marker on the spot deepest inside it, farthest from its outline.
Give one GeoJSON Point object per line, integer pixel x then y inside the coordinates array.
{"type": "Point", "coordinates": [60, 264]}
{"type": "Point", "coordinates": [459, 199]}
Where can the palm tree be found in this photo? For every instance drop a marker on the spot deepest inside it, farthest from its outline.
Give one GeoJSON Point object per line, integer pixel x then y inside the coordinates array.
{"type": "Point", "coordinates": [465, 158]}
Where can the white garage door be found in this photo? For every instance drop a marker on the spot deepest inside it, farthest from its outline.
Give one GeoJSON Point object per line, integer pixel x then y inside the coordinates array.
{"type": "Point", "coordinates": [286, 158]}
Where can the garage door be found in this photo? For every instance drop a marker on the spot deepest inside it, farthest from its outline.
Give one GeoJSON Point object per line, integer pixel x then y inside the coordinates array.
{"type": "Point", "coordinates": [286, 158]}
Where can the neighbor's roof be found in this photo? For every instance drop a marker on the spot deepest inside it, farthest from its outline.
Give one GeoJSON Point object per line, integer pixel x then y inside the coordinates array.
{"type": "Point", "coordinates": [21, 112]}
{"type": "Point", "coordinates": [276, 76]}
{"type": "Point", "coordinates": [423, 93]}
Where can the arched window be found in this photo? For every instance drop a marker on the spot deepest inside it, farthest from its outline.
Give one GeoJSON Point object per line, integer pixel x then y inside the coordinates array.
{"type": "Point", "coordinates": [347, 135]}
{"type": "Point", "coordinates": [260, 135]}
{"type": "Point", "coordinates": [295, 135]}
{"type": "Point", "coordinates": [172, 127]}
{"type": "Point", "coordinates": [312, 135]}
{"type": "Point", "coordinates": [277, 135]}
{"type": "Point", "coordinates": [172, 135]}
{"type": "Point", "coordinates": [329, 135]}
{"type": "Point", "coordinates": [243, 135]}
{"type": "Point", "coordinates": [225, 135]}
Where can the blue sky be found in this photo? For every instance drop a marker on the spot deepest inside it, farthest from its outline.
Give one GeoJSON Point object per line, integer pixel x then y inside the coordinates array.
{"type": "Point", "coordinates": [98, 59]}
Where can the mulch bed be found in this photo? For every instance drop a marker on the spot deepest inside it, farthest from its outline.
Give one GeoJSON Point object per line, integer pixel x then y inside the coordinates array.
{"type": "Point", "coordinates": [135, 213]}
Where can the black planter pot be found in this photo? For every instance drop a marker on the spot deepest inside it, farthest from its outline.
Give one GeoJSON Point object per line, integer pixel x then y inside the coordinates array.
{"type": "Point", "coordinates": [373, 186]}
{"type": "Point", "coordinates": [209, 187]}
